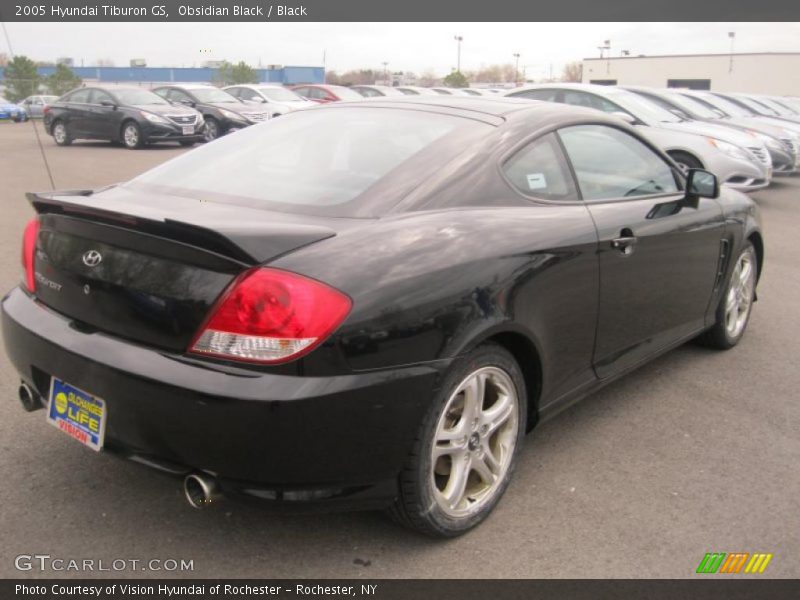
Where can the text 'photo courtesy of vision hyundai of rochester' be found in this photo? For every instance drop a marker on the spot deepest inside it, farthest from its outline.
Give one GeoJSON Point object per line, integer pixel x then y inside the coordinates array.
{"type": "Point", "coordinates": [369, 304]}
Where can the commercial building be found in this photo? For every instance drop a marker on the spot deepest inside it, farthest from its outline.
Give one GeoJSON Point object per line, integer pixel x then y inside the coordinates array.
{"type": "Point", "coordinates": [151, 75]}
{"type": "Point", "coordinates": [759, 73]}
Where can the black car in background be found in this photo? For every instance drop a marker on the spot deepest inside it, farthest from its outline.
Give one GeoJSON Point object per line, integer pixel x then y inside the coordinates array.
{"type": "Point", "coordinates": [222, 112]}
{"type": "Point", "coordinates": [129, 115]}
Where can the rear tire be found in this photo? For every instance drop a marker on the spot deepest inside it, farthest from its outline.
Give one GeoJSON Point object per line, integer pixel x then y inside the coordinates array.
{"type": "Point", "coordinates": [61, 134]}
{"type": "Point", "coordinates": [132, 135]}
{"type": "Point", "coordinates": [466, 449]}
{"type": "Point", "coordinates": [736, 304]}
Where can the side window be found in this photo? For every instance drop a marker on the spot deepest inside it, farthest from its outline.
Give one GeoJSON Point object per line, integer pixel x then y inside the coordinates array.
{"type": "Point", "coordinates": [303, 91]}
{"type": "Point", "coordinates": [317, 93]}
{"type": "Point", "coordinates": [610, 163]}
{"type": "Point", "coordinates": [99, 96]}
{"type": "Point", "coordinates": [179, 96]}
{"type": "Point", "coordinates": [236, 92]}
{"type": "Point", "coordinates": [539, 170]}
{"type": "Point", "coordinates": [547, 95]}
{"type": "Point", "coordinates": [80, 97]}
{"type": "Point", "coordinates": [247, 94]}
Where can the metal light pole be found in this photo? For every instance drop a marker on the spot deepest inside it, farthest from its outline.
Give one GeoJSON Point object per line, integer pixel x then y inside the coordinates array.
{"type": "Point", "coordinates": [732, 36]}
{"type": "Point", "coordinates": [516, 68]}
{"type": "Point", "coordinates": [385, 74]}
{"type": "Point", "coordinates": [458, 39]}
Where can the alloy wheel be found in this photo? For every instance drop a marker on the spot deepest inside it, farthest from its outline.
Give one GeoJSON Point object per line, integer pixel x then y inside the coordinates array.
{"type": "Point", "coordinates": [212, 131]}
{"type": "Point", "coordinates": [131, 136]}
{"type": "Point", "coordinates": [474, 442]}
{"type": "Point", "coordinates": [739, 299]}
{"type": "Point", "coordinates": [60, 133]}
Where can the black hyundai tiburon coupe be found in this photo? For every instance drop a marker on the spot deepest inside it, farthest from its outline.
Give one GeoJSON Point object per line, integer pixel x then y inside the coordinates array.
{"type": "Point", "coordinates": [370, 304]}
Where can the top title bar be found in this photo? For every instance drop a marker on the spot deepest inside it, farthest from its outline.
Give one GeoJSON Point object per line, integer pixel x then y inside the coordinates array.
{"type": "Point", "coordinates": [404, 10]}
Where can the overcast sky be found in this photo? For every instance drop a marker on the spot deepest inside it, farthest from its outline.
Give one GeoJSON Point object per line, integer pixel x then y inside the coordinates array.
{"type": "Point", "coordinates": [405, 46]}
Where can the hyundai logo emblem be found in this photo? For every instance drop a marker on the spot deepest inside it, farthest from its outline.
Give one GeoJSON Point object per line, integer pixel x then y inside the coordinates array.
{"type": "Point", "coordinates": [92, 258]}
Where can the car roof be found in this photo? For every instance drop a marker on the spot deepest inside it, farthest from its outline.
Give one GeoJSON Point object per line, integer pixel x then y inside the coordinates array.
{"type": "Point", "coordinates": [492, 109]}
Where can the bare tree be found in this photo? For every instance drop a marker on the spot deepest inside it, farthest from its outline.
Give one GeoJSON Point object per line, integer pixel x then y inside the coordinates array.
{"type": "Point", "coordinates": [429, 78]}
{"type": "Point", "coordinates": [573, 72]}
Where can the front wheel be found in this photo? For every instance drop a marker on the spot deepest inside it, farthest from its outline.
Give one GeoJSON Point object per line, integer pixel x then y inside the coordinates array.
{"type": "Point", "coordinates": [736, 304]}
{"type": "Point", "coordinates": [466, 449]}
{"type": "Point", "coordinates": [212, 129]}
{"type": "Point", "coordinates": [132, 136]}
{"type": "Point", "coordinates": [61, 134]}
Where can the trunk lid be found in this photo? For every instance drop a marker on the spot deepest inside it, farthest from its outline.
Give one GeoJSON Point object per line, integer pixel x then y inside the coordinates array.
{"type": "Point", "coordinates": [149, 268]}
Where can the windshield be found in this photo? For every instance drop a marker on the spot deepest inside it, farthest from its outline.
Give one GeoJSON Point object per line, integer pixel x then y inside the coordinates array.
{"type": "Point", "coordinates": [756, 107]}
{"type": "Point", "coordinates": [314, 162]}
{"type": "Point", "coordinates": [213, 95]}
{"type": "Point", "coordinates": [138, 97]}
{"type": "Point", "coordinates": [693, 106]}
{"type": "Point", "coordinates": [280, 94]}
{"type": "Point", "coordinates": [775, 107]}
{"type": "Point", "coordinates": [727, 106]}
{"type": "Point", "coordinates": [346, 93]}
{"type": "Point", "coordinates": [642, 108]}
{"type": "Point", "coordinates": [791, 107]}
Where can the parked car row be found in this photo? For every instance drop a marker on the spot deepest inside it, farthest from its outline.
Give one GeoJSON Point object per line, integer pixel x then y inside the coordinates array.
{"type": "Point", "coordinates": [744, 140]}
{"type": "Point", "coordinates": [186, 114]}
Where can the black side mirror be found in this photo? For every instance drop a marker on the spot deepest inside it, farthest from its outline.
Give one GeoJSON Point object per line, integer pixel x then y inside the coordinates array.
{"type": "Point", "coordinates": [701, 184]}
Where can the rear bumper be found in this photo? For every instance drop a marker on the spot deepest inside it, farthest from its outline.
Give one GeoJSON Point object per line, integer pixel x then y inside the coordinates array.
{"type": "Point", "coordinates": [343, 439]}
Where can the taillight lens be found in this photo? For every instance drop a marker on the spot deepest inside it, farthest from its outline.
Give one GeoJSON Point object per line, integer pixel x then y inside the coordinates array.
{"type": "Point", "coordinates": [29, 251]}
{"type": "Point", "coordinates": [271, 316]}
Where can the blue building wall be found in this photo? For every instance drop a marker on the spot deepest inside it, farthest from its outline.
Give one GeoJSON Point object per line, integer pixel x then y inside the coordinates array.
{"type": "Point", "coordinates": [284, 75]}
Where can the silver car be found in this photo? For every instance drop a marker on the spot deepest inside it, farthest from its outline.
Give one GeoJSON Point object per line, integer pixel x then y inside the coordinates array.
{"type": "Point", "coordinates": [689, 145]}
{"type": "Point", "coordinates": [277, 99]}
{"type": "Point", "coordinates": [741, 115]}
{"type": "Point", "coordinates": [783, 157]}
{"type": "Point", "coordinates": [34, 105]}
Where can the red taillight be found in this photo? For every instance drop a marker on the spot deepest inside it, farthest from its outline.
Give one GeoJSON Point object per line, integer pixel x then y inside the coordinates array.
{"type": "Point", "coordinates": [271, 316]}
{"type": "Point", "coordinates": [28, 252]}
{"type": "Point", "coordinates": [46, 109]}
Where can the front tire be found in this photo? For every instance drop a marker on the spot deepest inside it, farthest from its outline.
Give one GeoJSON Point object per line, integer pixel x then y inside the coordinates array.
{"type": "Point", "coordinates": [466, 449]}
{"type": "Point", "coordinates": [61, 134]}
{"type": "Point", "coordinates": [132, 136]}
{"type": "Point", "coordinates": [736, 304]}
{"type": "Point", "coordinates": [212, 130]}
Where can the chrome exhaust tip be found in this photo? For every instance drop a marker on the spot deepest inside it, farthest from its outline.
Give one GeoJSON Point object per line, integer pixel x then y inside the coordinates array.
{"type": "Point", "coordinates": [201, 490]}
{"type": "Point", "coordinates": [29, 399]}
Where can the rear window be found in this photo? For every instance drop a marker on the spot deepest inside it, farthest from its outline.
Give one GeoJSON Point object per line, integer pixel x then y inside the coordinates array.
{"type": "Point", "coordinates": [318, 161]}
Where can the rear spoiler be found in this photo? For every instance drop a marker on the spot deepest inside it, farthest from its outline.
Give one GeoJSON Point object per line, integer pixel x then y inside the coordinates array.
{"type": "Point", "coordinates": [249, 238]}
{"type": "Point", "coordinates": [61, 203]}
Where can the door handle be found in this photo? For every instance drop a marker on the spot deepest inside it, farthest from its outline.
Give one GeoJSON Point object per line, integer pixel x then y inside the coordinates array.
{"type": "Point", "coordinates": [625, 242]}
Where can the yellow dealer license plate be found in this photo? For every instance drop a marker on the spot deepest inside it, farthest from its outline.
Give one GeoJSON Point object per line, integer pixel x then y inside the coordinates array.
{"type": "Point", "coordinates": [78, 414]}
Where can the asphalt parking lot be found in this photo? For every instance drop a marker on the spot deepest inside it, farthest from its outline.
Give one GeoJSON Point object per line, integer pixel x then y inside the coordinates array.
{"type": "Point", "coordinates": [696, 452]}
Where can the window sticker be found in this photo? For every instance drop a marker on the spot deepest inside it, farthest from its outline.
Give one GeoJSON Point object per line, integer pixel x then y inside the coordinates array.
{"type": "Point", "coordinates": [536, 181]}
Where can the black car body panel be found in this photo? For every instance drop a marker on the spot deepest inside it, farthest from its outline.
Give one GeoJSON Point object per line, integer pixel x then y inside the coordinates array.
{"type": "Point", "coordinates": [246, 114]}
{"type": "Point", "coordinates": [459, 258]}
